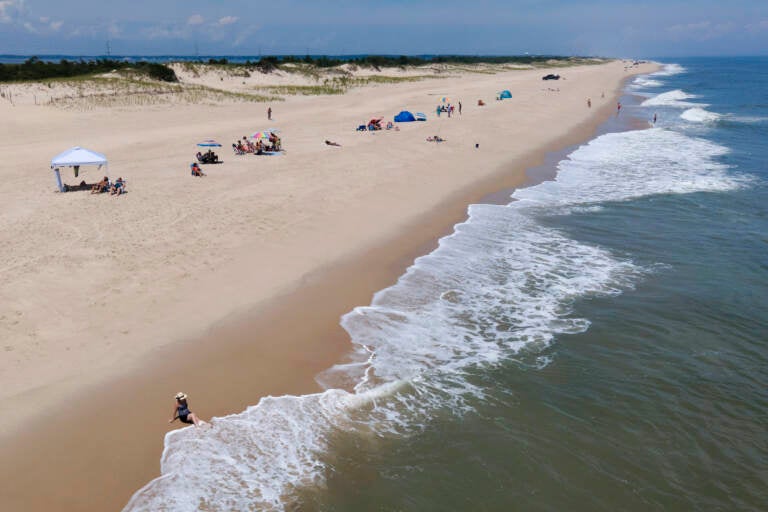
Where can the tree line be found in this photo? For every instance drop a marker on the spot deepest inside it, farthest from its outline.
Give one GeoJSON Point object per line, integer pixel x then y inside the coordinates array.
{"type": "Point", "coordinates": [36, 69]}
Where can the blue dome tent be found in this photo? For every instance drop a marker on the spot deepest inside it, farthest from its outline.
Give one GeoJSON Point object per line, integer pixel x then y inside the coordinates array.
{"type": "Point", "coordinates": [404, 117]}
{"type": "Point", "coordinates": [505, 94]}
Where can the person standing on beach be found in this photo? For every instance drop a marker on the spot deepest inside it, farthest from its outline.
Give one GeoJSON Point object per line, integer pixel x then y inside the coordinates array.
{"type": "Point", "coordinates": [459, 108]}
{"type": "Point", "coordinates": [654, 118]}
{"type": "Point", "coordinates": [269, 113]}
{"type": "Point", "coordinates": [181, 411]}
{"type": "Point", "coordinates": [589, 103]}
{"type": "Point", "coordinates": [618, 108]}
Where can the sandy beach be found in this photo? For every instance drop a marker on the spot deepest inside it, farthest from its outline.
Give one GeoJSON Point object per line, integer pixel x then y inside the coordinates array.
{"type": "Point", "coordinates": [229, 286]}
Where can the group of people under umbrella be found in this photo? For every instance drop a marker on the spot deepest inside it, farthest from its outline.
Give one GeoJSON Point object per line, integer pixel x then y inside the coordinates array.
{"type": "Point", "coordinates": [258, 144]}
{"type": "Point", "coordinates": [264, 142]}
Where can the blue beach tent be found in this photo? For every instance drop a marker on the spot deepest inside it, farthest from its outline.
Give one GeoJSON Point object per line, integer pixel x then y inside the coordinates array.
{"type": "Point", "coordinates": [404, 117]}
{"type": "Point", "coordinates": [505, 94]}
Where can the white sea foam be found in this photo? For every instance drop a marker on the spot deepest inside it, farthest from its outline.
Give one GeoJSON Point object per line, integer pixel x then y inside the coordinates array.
{"type": "Point", "coordinates": [501, 284]}
{"type": "Point", "coordinates": [700, 115]}
{"type": "Point", "coordinates": [669, 70]}
{"type": "Point", "coordinates": [674, 98]}
{"type": "Point", "coordinates": [644, 81]}
{"type": "Point", "coordinates": [627, 165]}
{"type": "Point", "coordinates": [746, 119]}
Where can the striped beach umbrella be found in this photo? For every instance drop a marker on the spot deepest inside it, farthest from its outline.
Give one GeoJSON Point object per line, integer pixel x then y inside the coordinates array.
{"type": "Point", "coordinates": [263, 136]}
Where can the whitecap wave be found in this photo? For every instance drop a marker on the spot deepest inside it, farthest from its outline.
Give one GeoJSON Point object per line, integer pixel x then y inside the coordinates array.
{"type": "Point", "coordinates": [669, 70]}
{"type": "Point", "coordinates": [674, 98]}
{"type": "Point", "coordinates": [628, 165]}
{"type": "Point", "coordinates": [700, 115]}
{"type": "Point", "coordinates": [642, 82]}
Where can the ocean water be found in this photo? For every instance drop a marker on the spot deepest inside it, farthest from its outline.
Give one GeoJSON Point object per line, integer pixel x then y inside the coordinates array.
{"type": "Point", "coordinates": [599, 343]}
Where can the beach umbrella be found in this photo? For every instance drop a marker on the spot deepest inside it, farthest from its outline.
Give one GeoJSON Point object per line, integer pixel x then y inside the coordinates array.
{"type": "Point", "coordinates": [264, 135]}
{"type": "Point", "coordinates": [209, 143]}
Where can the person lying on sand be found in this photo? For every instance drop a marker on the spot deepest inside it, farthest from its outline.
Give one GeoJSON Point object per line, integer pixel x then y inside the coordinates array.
{"type": "Point", "coordinates": [436, 138]}
{"type": "Point", "coordinates": [101, 186]}
{"type": "Point", "coordinates": [181, 411]}
{"type": "Point", "coordinates": [330, 143]}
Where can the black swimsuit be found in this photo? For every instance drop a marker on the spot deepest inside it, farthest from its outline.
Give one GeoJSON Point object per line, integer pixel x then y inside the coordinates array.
{"type": "Point", "coordinates": [183, 412]}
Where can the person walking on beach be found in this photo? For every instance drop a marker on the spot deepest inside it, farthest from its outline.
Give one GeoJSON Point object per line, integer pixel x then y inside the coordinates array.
{"type": "Point", "coordinates": [618, 108]}
{"type": "Point", "coordinates": [589, 103]}
{"type": "Point", "coordinates": [181, 411]}
{"type": "Point", "coordinates": [459, 108]}
{"type": "Point", "coordinates": [654, 118]}
{"type": "Point", "coordinates": [269, 113]}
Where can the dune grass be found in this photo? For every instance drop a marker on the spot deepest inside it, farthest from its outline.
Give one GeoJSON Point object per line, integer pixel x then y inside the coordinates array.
{"type": "Point", "coordinates": [124, 92]}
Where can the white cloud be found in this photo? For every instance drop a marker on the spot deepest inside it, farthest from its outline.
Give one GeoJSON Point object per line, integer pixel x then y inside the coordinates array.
{"type": "Point", "coordinates": [114, 30]}
{"type": "Point", "coordinates": [760, 26]}
{"type": "Point", "coordinates": [244, 35]}
{"type": "Point", "coordinates": [11, 10]}
{"type": "Point", "coordinates": [165, 32]}
{"type": "Point", "coordinates": [700, 31]}
{"type": "Point", "coordinates": [227, 20]}
{"type": "Point", "coordinates": [15, 12]}
{"type": "Point", "coordinates": [195, 19]}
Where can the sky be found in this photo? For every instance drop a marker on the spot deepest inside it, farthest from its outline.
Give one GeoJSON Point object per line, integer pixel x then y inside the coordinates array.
{"type": "Point", "coordinates": [609, 28]}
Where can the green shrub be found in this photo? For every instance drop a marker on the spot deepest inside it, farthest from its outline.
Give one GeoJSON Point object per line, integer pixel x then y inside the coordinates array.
{"type": "Point", "coordinates": [161, 72]}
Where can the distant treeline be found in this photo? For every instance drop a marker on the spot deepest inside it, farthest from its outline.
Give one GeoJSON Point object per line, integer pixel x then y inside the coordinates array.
{"type": "Point", "coordinates": [384, 61]}
{"type": "Point", "coordinates": [36, 69]}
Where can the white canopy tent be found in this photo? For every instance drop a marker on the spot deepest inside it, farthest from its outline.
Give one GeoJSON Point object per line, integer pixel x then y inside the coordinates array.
{"type": "Point", "coordinates": [75, 157]}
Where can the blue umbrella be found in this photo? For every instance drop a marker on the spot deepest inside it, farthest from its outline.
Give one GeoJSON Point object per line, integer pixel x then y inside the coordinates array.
{"type": "Point", "coordinates": [209, 143]}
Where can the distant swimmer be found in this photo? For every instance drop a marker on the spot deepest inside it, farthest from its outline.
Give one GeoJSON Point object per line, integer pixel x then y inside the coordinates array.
{"type": "Point", "coordinates": [654, 118]}
{"type": "Point", "coordinates": [181, 411]}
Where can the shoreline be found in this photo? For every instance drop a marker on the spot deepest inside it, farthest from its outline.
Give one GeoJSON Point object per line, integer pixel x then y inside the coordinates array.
{"type": "Point", "coordinates": [219, 368]}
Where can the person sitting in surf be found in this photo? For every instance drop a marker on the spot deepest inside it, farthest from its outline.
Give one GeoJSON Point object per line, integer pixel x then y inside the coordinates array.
{"type": "Point", "coordinates": [181, 411]}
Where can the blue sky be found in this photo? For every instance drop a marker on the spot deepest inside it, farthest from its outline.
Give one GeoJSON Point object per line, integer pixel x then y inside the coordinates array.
{"type": "Point", "coordinates": [238, 27]}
